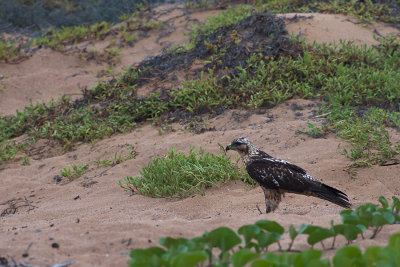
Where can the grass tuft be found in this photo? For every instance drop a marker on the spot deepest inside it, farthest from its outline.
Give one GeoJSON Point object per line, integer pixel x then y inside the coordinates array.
{"type": "Point", "coordinates": [179, 175]}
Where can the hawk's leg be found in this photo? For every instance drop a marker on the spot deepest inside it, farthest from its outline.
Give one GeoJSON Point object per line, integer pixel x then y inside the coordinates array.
{"type": "Point", "coordinates": [272, 199]}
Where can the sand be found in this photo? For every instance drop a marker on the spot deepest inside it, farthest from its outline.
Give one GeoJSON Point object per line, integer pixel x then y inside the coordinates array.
{"type": "Point", "coordinates": [95, 223]}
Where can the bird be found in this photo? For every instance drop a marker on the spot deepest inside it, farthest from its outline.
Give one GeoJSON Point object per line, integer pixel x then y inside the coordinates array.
{"type": "Point", "coordinates": [277, 177]}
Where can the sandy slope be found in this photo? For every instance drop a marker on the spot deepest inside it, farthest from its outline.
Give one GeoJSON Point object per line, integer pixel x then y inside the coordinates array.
{"type": "Point", "coordinates": [95, 223]}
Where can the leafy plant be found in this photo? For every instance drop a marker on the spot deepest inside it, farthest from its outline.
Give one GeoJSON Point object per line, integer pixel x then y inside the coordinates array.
{"type": "Point", "coordinates": [11, 50]}
{"type": "Point", "coordinates": [66, 172]}
{"type": "Point", "coordinates": [224, 247]}
{"type": "Point", "coordinates": [76, 172]}
{"type": "Point", "coordinates": [180, 175]}
{"type": "Point", "coordinates": [26, 161]}
{"type": "Point", "coordinates": [117, 158]}
{"type": "Point", "coordinates": [315, 131]}
{"type": "Point", "coordinates": [356, 84]}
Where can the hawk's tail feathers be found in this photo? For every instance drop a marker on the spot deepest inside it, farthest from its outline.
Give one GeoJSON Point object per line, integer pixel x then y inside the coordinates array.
{"type": "Point", "coordinates": [333, 195]}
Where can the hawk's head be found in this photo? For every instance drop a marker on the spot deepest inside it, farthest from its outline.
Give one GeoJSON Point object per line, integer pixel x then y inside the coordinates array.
{"type": "Point", "coordinates": [242, 145]}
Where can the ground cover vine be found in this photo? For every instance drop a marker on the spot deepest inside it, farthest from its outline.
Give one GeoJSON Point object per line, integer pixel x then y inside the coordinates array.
{"type": "Point", "coordinates": [249, 245]}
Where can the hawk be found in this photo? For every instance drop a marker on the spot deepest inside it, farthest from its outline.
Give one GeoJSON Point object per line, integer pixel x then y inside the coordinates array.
{"type": "Point", "coordinates": [276, 177]}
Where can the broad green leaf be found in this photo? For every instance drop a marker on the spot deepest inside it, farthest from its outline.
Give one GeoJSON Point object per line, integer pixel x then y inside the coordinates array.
{"type": "Point", "coordinates": [273, 258]}
{"type": "Point", "coordinates": [349, 217]}
{"type": "Point", "coordinates": [394, 242]}
{"type": "Point", "coordinates": [249, 232]}
{"type": "Point", "coordinates": [307, 255]}
{"type": "Point", "coordinates": [365, 211]}
{"type": "Point", "coordinates": [146, 257]}
{"type": "Point", "coordinates": [302, 228]}
{"type": "Point", "coordinates": [377, 256]}
{"type": "Point", "coordinates": [384, 202]}
{"type": "Point", "coordinates": [271, 226]}
{"type": "Point", "coordinates": [309, 229]}
{"type": "Point", "coordinates": [348, 256]}
{"type": "Point", "coordinates": [188, 259]}
{"type": "Point", "coordinates": [266, 238]}
{"type": "Point", "coordinates": [395, 204]}
{"type": "Point", "coordinates": [223, 238]}
{"type": "Point", "coordinates": [389, 216]}
{"type": "Point", "coordinates": [394, 248]}
{"type": "Point", "coordinates": [319, 234]}
{"type": "Point", "coordinates": [318, 263]}
{"type": "Point", "coordinates": [379, 218]}
{"type": "Point", "coordinates": [349, 231]}
{"type": "Point", "coordinates": [288, 258]}
{"type": "Point", "coordinates": [243, 256]}
{"type": "Point", "coordinates": [308, 258]}
{"type": "Point", "coordinates": [170, 242]}
{"type": "Point", "coordinates": [176, 246]}
{"type": "Point", "coordinates": [262, 263]}
{"type": "Point", "coordinates": [292, 232]}
{"type": "Point", "coordinates": [197, 243]}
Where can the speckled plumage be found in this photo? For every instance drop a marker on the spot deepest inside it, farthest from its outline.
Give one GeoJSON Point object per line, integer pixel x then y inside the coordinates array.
{"type": "Point", "coordinates": [277, 177]}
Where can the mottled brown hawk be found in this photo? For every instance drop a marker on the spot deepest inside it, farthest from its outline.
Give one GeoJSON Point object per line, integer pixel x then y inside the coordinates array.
{"type": "Point", "coordinates": [276, 177]}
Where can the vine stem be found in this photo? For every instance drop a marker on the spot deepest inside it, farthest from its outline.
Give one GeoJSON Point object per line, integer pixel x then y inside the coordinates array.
{"type": "Point", "coordinates": [290, 245]}
{"type": "Point", "coordinates": [323, 246]}
{"type": "Point", "coordinates": [280, 247]}
{"type": "Point", "coordinates": [333, 242]}
{"type": "Point", "coordinates": [376, 231]}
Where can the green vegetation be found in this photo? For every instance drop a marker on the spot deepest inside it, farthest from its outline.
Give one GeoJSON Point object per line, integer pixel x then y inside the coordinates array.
{"type": "Point", "coordinates": [116, 159]}
{"type": "Point", "coordinates": [367, 11]}
{"type": "Point", "coordinates": [26, 161]}
{"type": "Point", "coordinates": [39, 14]}
{"type": "Point", "coordinates": [179, 175]}
{"type": "Point", "coordinates": [15, 49]}
{"type": "Point", "coordinates": [364, 10]}
{"type": "Point", "coordinates": [357, 85]}
{"type": "Point", "coordinates": [76, 172]}
{"type": "Point", "coordinates": [315, 131]}
{"type": "Point", "coordinates": [60, 38]}
{"type": "Point", "coordinates": [249, 246]}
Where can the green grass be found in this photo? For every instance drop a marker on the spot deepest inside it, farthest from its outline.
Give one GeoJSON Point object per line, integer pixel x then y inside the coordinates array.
{"type": "Point", "coordinates": [180, 175]}
{"type": "Point", "coordinates": [347, 78]}
{"type": "Point", "coordinates": [14, 50]}
{"type": "Point", "coordinates": [231, 16]}
{"type": "Point", "coordinates": [315, 131]}
{"type": "Point", "coordinates": [367, 11]}
{"type": "Point", "coordinates": [58, 39]}
{"type": "Point", "coordinates": [364, 10]}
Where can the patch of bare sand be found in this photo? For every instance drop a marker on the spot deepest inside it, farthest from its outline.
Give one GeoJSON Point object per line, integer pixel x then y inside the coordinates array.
{"type": "Point", "coordinates": [49, 74]}
{"type": "Point", "coordinates": [331, 28]}
{"type": "Point", "coordinates": [95, 223]}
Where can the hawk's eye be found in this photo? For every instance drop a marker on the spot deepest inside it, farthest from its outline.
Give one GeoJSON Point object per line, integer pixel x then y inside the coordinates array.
{"type": "Point", "coordinates": [236, 143]}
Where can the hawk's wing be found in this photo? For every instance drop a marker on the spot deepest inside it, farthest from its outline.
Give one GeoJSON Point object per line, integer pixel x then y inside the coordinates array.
{"type": "Point", "coordinates": [281, 175]}
{"type": "Point", "coordinates": [276, 174]}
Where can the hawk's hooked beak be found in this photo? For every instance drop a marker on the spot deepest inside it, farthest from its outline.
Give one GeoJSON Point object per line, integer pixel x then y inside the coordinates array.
{"type": "Point", "coordinates": [228, 147]}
